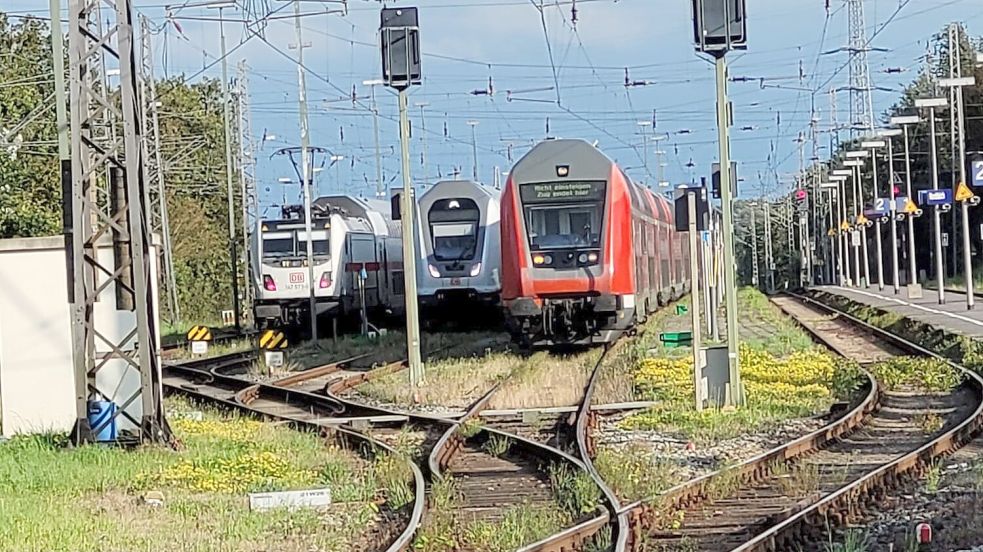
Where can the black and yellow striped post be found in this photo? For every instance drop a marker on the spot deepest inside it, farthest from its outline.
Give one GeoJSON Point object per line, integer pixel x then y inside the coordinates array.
{"type": "Point", "coordinates": [273, 343]}
{"type": "Point", "coordinates": [199, 336]}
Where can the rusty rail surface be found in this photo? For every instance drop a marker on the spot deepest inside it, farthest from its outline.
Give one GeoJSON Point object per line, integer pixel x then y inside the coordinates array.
{"type": "Point", "coordinates": [849, 499]}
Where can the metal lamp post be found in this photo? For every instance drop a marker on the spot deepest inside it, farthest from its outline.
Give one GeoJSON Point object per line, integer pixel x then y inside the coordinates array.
{"type": "Point", "coordinates": [888, 134]}
{"type": "Point", "coordinates": [840, 176]}
{"type": "Point", "coordinates": [904, 121]}
{"type": "Point", "coordinates": [964, 201]}
{"type": "Point", "coordinates": [855, 161]}
{"type": "Point", "coordinates": [931, 104]}
{"type": "Point", "coordinates": [832, 190]}
{"type": "Point", "coordinates": [872, 145]}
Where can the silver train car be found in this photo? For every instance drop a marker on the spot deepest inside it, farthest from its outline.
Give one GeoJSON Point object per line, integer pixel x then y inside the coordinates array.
{"type": "Point", "coordinates": [357, 254]}
{"type": "Point", "coordinates": [459, 258]}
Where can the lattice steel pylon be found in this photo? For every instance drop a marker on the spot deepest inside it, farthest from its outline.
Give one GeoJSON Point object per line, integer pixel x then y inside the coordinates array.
{"type": "Point", "coordinates": [115, 354]}
{"type": "Point", "coordinates": [154, 167]}
{"type": "Point", "coordinates": [861, 100]}
{"type": "Point", "coordinates": [247, 175]}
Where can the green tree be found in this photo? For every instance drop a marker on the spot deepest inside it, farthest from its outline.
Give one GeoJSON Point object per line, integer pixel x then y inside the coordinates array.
{"type": "Point", "coordinates": [193, 153]}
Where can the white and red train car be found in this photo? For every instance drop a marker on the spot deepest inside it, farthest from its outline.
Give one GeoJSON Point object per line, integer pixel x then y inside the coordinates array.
{"type": "Point", "coordinates": [586, 253]}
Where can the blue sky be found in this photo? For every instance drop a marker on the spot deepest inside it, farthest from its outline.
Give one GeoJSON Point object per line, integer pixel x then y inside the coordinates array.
{"type": "Point", "coordinates": [468, 42]}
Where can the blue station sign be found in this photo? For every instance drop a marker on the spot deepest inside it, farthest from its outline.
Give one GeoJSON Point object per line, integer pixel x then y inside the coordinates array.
{"type": "Point", "coordinates": [935, 197]}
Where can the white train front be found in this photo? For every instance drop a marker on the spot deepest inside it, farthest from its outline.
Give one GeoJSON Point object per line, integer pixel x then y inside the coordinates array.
{"type": "Point", "coordinates": [355, 243]}
{"type": "Point", "coordinates": [459, 257]}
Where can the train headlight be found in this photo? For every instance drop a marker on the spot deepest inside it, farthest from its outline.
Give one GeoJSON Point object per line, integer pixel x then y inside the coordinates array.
{"type": "Point", "coordinates": [475, 269]}
{"type": "Point", "coordinates": [538, 259]}
{"type": "Point", "coordinates": [325, 280]}
{"type": "Point", "coordinates": [592, 257]}
{"type": "Point", "coordinates": [268, 283]}
{"type": "Point", "coordinates": [433, 271]}
{"type": "Point", "coordinates": [582, 259]}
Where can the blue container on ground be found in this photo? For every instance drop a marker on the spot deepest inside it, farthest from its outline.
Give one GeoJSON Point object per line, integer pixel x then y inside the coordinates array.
{"type": "Point", "coordinates": [102, 420]}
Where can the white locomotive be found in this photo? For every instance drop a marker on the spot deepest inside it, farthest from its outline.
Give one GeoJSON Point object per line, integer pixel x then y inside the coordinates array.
{"type": "Point", "coordinates": [357, 253]}
{"type": "Point", "coordinates": [459, 258]}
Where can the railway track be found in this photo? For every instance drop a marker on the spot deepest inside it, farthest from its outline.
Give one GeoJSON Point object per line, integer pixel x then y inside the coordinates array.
{"type": "Point", "coordinates": [786, 497]}
{"type": "Point", "coordinates": [494, 469]}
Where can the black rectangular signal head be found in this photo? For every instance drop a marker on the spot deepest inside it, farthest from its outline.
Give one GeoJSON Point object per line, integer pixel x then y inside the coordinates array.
{"type": "Point", "coordinates": [719, 26]}
{"type": "Point", "coordinates": [682, 208]}
{"type": "Point", "coordinates": [399, 33]}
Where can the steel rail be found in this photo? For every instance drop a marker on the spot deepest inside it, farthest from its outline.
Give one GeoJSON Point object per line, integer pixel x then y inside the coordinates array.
{"type": "Point", "coordinates": [240, 401]}
{"type": "Point", "coordinates": [644, 513]}
{"type": "Point", "coordinates": [451, 440]}
{"type": "Point", "coordinates": [619, 523]}
{"type": "Point", "coordinates": [782, 535]}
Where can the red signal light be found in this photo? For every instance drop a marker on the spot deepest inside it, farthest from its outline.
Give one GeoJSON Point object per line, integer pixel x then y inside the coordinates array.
{"type": "Point", "coordinates": [325, 280]}
{"type": "Point", "coordinates": [268, 283]}
{"type": "Point", "coordinates": [800, 195]}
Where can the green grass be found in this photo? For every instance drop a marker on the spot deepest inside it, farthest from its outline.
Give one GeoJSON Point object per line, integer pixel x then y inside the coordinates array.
{"type": "Point", "coordinates": [634, 473]}
{"type": "Point", "coordinates": [215, 349]}
{"type": "Point", "coordinates": [87, 499]}
{"type": "Point", "coordinates": [446, 528]}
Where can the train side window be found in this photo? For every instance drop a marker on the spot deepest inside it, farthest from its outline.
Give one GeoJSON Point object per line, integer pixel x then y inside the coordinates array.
{"type": "Point", "coordinates": [398, 288]}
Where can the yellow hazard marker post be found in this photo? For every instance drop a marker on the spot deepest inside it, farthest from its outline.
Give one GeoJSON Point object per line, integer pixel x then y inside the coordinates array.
{"type": "Point", "coordinates": [963, 193]}
{"type": "Point", "coordinates": [910, 208]}
{"type": "Point", "coordinates": [199, 336]}
{"type": "Point", "coordinates": [273, 343]}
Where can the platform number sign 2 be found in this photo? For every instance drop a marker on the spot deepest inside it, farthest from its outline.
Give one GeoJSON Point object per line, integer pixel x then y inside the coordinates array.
{"type": "Point", "coordinates": [976, 167]}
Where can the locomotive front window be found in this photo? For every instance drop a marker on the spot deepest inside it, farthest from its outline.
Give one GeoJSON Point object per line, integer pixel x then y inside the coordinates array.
{"type": "Point", "coordinates": [564, 214]}
{"type": "Point", "coordinates": [320, 246]}
{"type": "Point", "coordinates": [454, 229]}
{"type": "Point", "coordinates": [278, 244]}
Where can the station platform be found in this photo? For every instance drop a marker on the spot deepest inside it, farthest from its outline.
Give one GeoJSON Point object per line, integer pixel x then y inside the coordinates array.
{"type": "Point", "coordinates": [953, 315]}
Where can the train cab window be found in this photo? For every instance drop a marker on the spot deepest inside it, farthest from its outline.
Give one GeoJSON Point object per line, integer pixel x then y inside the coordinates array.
{"type": "Point", "coordinates": [278, 244]}
{"type": "Point", "coordinates": [564, 214]}
{"type": "Point", "coordinates": [454, 229]}
{"type": "Point", "coordinates": [320, 245]}
{"type": "Point", "coordinates": [564, 226]}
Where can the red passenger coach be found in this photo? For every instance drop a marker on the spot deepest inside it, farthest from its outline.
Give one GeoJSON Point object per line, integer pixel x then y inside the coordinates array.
{"type": "Point", "coordinates": [586, 254]}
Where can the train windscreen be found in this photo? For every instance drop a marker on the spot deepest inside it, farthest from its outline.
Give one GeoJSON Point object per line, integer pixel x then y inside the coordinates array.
{"type": "Point", "coordinates": [320, 245]}
{"type": "Point", "coordinates": [454, 229]}
{"type": "Point", "coordinates": [278, 244]}
{"type": "Point", "coordinates": [565, 214]}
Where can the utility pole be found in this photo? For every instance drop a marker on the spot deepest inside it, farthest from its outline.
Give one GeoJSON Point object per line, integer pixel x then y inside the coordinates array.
{"type": "Point", "coordinates": [956, 83]}
{"type": "Point", "coordinates": [380, 189]}
{"type": "Point", "coordinates": [873, 145]}
{"type": "Point", "coordinates": [889, 135]}
{"type": "Point", "coordinates": [474, 149]}
{"type": "Point", "coordinates": [931, 104]}
{"type": "Point", "coordinates": [914, 290]}
{"type": "Point", "coordinates": [105, 361]}
{"type": "Point", "coordinates": [247, 179]}
{"type": "Point", "coordinates": [61, 111]}
{"type": "Point", "coordinates": [805, 272]}
{"type": "Point", "coordinates": [769, 255]}
{"type": "Point", "coordinates": [754, 245]}
{"type": "Point", "coordinates": [305, 172]}
{"type": "Point", "coordinates": [153, 166]}
{"type": "Point", "coordinates": [423, 140]}
{"type": "Point", "coordinates": [229, 168]}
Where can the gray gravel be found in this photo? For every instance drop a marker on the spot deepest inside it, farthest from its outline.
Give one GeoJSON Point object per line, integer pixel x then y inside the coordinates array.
{"type": "Point", "coordinates": [696, 460]}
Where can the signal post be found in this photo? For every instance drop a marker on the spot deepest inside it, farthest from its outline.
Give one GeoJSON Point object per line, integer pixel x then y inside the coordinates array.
{"type": "Point", "coordinates": [720, 26]}
{"type": "Point", "coordinates": [400, 41]}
